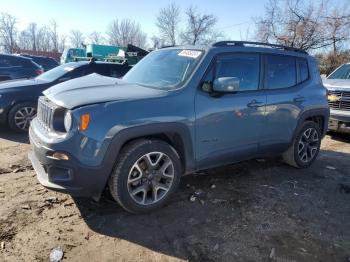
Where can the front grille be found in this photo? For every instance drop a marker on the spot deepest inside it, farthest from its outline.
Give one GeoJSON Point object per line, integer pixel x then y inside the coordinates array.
{"type": "Point", "coordinates": [342, 102]}
{"type": "Point", "coordinates": [45, 112]}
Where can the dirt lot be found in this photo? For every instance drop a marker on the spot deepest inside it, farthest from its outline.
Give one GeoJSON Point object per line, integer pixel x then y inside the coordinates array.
{"type": "Point", "coordinates": [253, 211]}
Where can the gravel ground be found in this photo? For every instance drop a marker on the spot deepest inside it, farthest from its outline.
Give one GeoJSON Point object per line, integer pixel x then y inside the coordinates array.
{"type": "Point", "coordinates": [260, 210]}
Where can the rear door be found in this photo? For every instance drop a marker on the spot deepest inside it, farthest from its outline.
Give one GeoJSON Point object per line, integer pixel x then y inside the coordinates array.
{"type": "Point", "coordinates": [229, 126]}
{"type": "Point", "coordinates": [284, 79]}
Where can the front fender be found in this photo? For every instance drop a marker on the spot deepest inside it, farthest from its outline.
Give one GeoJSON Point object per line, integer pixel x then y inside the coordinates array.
{"type": "Point", "coordinates": [119, 138]}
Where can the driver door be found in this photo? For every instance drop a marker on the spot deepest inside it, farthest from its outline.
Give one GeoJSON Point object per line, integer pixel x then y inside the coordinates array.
{"type": "Point", "coordinates": [229, 125]}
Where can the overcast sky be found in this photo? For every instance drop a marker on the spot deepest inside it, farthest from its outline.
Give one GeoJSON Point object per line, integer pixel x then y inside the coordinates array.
{"type": "Point", "coordinates": [234, 16]}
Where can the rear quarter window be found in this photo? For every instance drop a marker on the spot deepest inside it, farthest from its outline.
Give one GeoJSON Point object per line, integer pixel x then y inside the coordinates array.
{"type": "Point", "coordinates": [27, 63]}
{"type": "Point", "coordinates": [303, 70]}
{"type": "Point", "coordinates": [280, 71]}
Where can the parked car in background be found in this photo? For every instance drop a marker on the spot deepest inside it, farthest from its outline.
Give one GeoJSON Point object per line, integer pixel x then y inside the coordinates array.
{"type": "Point", "coordinates": [16, 67]}
{"type": "Point", "coordinates": [177, 111]}
{"type": "Point", "coordinates": [338, 86]}
{"type": "Point", "coordinates": [18, 99]}
{"type": "Point", "coordinates": [46, 63]}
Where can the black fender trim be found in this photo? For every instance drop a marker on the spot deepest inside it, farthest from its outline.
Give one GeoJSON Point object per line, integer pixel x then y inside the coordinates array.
{"type": "Point", "coordinates": [168, 129]}
{"type": "Point", "coordinates": [324, 112]}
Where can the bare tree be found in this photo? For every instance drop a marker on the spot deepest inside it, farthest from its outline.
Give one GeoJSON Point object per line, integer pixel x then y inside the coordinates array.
{"type": "Point", "coordinates": [62, 43]}
{"type": "Point", "coordinates": [76, 38]}
{"type": "Point", "coordinates": [337, 25]}
{"type": "Point", "coordinates": [167, 22]}
{"type": "Point", "coordinates": [296, 23]}
{"type": "Point", "coordinates": [140, 40]}
{"type": "Point", "coordinates": [54, 34]}
{"type": "Point", "coordinates": [95, 38]}
{"type": "Point", "coordinates": [157, 42]}
{"type": "Point", "coordinates": [124, 32]}
{"type": "Point", "coordinates": [200, 28]}
{"type": "Point", "coordinates": [8, 32]}
{"type": "Point", "coordinates": [32, 33]}
{"type": "Point", "coordinates": [23, 41]}
{"type": "Point", "coordinates": [44, 39]}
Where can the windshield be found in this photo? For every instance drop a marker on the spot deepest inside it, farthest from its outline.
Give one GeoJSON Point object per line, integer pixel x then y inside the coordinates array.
{"type": "Point", "coordinates": [56, 72]}
{"type": "Point", "coordinates": [164, 69]}
{"type": "Point", "coordinates": [342, 72]}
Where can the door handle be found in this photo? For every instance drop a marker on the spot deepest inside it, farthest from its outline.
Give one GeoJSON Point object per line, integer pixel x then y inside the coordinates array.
{"type": "Point", "coordinates": [299, 99]}
{"type": "Point", "coordinates": [255, 103]}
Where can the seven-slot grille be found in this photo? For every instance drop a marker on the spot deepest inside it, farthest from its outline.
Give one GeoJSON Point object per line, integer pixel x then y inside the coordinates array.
{"type": "Point", "coordinates": [342, 102]}
{"type": "Point", "coordinates": [45, 112]}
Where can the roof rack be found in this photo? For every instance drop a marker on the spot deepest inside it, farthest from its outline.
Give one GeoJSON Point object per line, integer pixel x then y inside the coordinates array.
{"type": "Point", "coordinates": [244, 43]}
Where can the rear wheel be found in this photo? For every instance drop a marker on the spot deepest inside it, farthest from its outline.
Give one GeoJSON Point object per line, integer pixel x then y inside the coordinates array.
{"type": "Point", "coordinates": [20, 116]}
{"type": "Point", "coordinates": [146, 174]}
{"type": "Point", "coordinates": [306, 146]}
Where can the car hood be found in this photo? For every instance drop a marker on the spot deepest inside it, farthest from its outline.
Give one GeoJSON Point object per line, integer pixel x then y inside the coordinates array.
{"type": "Point", "coordinates": [95, 88]}
{"type": "Point", "coordinates": [337, 84]}
{"type": "Point", "coordinates": [20, 83]}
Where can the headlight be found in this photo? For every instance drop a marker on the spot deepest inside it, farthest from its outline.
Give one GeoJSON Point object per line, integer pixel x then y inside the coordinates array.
{"type": "Point", "coordinates": [68, 121]}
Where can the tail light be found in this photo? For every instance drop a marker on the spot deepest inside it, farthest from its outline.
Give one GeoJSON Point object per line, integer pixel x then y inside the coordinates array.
{"type": "Point", "coordinates": [39, 71]}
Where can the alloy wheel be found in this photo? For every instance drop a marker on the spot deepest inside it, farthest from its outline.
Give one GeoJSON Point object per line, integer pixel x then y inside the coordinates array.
{"type": "Point", "coordinates": [308, 145]}
{"type": "Point", "coordinates": [23, 116]}
{"type": "Point", "coordinates": [150, 178]}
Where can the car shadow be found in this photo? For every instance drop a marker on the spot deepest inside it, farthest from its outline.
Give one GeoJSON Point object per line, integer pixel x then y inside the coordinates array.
{"type": "Point", "coordinates": [341, 137]}
{"type": "Point", "coordinates": [176, 229]}
{"type": "Point", "coordinates": [8, 134]}
{"type": "Point", "coordinates": [208, 228]}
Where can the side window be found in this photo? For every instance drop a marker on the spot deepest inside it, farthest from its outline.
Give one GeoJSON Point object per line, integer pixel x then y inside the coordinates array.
{"type": "Point", "coordinates": [280, 72]}
{"type": "Point", "coordinates": [77, 72]}
{"type": "Point", "coordinates": [245, 67]}
{"type": "Point", "coordinates": [4, 62]}
{"type": "Point", "coordinates": [23, 62]}
{"type": "Point", "coordinates": [207, 81]}
{"type": "Point", "coordinates": [13, 61]}
{"type": "Point", "coordinates": [303, 69]}
{"type": "Point", "coordinates": [101, 69]}
{"type": "Point", "coordinates": [118, 70]}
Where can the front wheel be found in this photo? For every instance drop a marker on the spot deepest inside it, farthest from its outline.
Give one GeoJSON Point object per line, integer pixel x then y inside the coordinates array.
{"type": "Point", "coordinates": [145, 176]}
{"type": "Point", "coordinates": [20, 115]}
{"type": "Point", "coordinates": [306, 146]}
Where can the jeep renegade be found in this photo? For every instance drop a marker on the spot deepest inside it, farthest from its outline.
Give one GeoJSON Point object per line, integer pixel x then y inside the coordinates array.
{"type": "Point", "coordinates": [180, 110]}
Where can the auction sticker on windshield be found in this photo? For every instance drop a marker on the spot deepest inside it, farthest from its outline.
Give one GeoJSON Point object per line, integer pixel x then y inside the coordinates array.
{"type": "Point", "coordinates": [190, 53]}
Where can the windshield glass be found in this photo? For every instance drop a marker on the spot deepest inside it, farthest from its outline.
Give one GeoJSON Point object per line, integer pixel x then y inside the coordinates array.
{"type": "Point", "coordinates": [342, 72]}
{"type": "Point", "coordinates": [164, 69]}
{"type": "Point", "coordinates": [56, 72]}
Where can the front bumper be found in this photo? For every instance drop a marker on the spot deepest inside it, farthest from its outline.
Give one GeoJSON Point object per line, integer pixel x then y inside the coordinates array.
{"type": "Point", "coordinates": [339, 121]}
{"type": "Point", "coordinates": [67, 176]}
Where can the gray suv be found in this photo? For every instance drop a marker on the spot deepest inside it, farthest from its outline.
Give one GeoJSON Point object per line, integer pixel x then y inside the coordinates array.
{"type": "Point", "coordinates": [179, 110]}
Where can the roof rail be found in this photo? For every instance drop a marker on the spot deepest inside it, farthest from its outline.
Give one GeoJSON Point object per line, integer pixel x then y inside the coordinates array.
{"type": "Point", "coordinates": [244, 43]}
{"type": "Point", "coordinates": [166, 46]}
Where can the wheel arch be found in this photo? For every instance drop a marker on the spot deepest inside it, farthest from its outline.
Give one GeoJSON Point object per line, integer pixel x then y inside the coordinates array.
{"type": "Point", "coordinates": [319, 116]}
{"type": "Point", "coordinates": [176, 134]}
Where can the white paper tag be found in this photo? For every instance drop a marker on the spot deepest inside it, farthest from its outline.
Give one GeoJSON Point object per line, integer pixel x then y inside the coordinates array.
{"type": "Point", "coordinates": [190, 53]}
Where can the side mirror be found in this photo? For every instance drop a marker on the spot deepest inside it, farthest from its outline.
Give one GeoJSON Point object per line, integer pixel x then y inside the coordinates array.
{"type": "Point", "coordinates": [226, 84]}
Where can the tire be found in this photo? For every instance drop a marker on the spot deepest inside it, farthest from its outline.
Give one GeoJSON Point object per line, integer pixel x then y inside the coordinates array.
{"type": "Point", "coordinates": [23, 111]}
{"type": "Point", "coordinates": [302, 144]}
{"type": "Point", "coordinates": [145, 175]}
